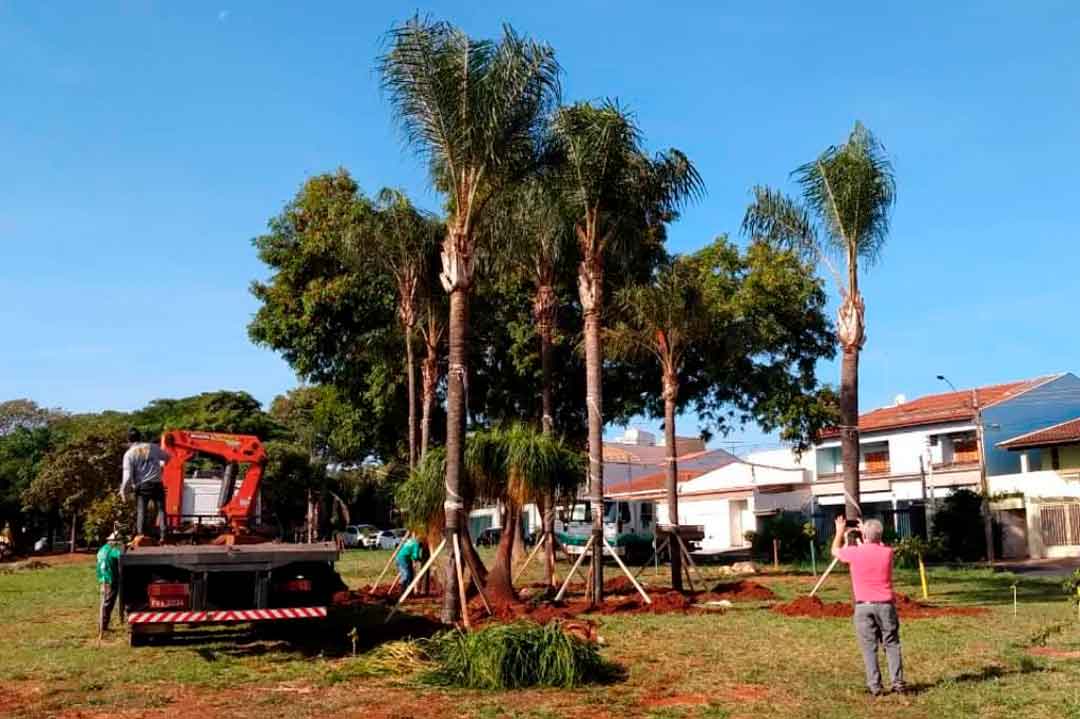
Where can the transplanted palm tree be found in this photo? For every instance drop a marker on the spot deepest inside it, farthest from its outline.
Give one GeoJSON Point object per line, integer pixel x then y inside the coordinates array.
{"type": "Point", "coordinates": [538, 235]}
{"type": "Point", "coordinates": [620, 198]}
{"type": "Point", "coordinates": [847, 195]}
{"type": "Point", "coordinates": [404, 241]}
{"type": "Point", "coordinates": [474, 109]}
{"type": "Point", "coordinates": [665, 319]}
{"type": "Point", "coordinates": [515, 464]}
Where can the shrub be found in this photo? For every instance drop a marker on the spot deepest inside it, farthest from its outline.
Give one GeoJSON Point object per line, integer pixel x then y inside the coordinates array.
{"type": "Point", "coordinates": [511, 656]}
{"type": "Point", "coordinates": [1070, 585]}
{"type": "Point", "coordinates": [104, 516]}
{"type": "Point", "coordinates": [907, 551]}
{"type": "Point", "coordinates": [790, 529]}
{"type": "Point", "coordinates": [958, 525]}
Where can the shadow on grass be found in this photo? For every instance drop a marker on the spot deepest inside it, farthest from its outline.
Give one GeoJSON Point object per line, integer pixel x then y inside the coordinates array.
{"type": "Point", "coordinates": [332, 637]}
{"type": "Point", "coordinates": [991, 672]}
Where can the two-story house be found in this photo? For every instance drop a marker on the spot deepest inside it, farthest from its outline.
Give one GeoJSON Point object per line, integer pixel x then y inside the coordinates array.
{"type": "Point", "coordinates": [917, 451]}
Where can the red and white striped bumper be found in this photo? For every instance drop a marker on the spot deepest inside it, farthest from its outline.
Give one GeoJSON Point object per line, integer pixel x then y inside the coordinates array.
{"type": "Point", "coordinates": [226, 615]}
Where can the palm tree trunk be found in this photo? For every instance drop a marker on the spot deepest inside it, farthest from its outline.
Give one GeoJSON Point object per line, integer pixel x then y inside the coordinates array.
{"type": "Point", "coordinates": [594, 399]}
{"type": "Point", "coordinates": [455, 441]}
{"type": "Point", "coordinates": [429, 375]}
{"type": "Point", "coordinates": [547, 423]}
{"type": "Point", "coordinates": [849, 436]}
{"type": "Point", "coordinates": [500, 585]}
{"type": "Point", "coordinates": [410, 365]}
{"type": "Point", "coordinates": [671, 392]}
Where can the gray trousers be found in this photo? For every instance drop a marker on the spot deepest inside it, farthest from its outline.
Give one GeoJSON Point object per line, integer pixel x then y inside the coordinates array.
{"type": "Point", "coordinates": [144, 494]}
{"type": "Point", "coordinates": [878, 624]}
{"type": "Point", "coordinates": [109, 593]}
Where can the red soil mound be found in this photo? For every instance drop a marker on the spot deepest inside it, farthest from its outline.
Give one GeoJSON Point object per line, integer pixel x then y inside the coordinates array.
{"type": "Point", "coordinates": [906, 607]}
{"type": "Point", "coordinates": [745, 590]}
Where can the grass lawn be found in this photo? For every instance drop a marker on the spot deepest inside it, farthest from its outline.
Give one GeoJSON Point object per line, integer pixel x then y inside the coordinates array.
{"type": "Point", "coordinates": [746, 662]}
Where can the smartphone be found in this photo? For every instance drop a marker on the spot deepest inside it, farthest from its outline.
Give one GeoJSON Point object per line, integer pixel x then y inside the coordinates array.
{"type": "Point", "coordinates": [852, 523]}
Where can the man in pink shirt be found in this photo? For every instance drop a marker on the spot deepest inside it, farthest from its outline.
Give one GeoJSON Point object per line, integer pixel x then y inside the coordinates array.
{"type": "Point", "coordinates": [870, 564]}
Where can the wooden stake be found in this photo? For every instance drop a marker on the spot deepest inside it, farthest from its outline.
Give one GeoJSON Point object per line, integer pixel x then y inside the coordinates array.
{"type": "Point", "coordinates": [690, 560]}
{"type": "Point", "coordinates": [461, 582]}
{"type": "Point", "coordinates": [537, 548]}
{"type": "Point", "coordinates": [627, 573]}
{"type": "Point", "coordinates": [922, 578]}
{"type": "Point", "coordinates": [776, 553]}
{"type": "Point", "coordinates": [385, 568]}
{"type": "Point", "coordinates": [824, 576]}
{"type": "Point", "coordinates": [656, 553]}
{"type": "Point", "coordinates": [574, 568]}
{"type": "Point", "coordinates": [416, 579]}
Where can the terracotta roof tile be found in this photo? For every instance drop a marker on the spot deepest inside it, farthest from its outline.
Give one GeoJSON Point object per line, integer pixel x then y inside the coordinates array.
{"type": "Point", "coordinates": [1064, 433]}
{"type": "Point", "coordinates": [939, 408]}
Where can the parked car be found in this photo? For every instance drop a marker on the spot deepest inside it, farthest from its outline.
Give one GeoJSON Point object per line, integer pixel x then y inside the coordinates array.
{"type": "Point", "coordinates": [489, 537]}
{"type": "Point", "coordinates": [354, 534]}
{"type": "Point", "coordinates": [371, 539]}
{"type": "Point", "coordinates": [390, 538]}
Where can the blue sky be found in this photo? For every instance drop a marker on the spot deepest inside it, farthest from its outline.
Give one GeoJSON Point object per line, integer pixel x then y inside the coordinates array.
{"type": "Point", "coordinates": [143, 144]}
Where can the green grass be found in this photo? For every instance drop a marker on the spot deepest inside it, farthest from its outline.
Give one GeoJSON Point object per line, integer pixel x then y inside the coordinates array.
{"type": "Point", "coordinates": [747, 662]}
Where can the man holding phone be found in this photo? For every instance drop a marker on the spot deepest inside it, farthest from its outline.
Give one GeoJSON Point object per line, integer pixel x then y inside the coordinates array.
{"type": "Point", "coordinates": [870, 563]}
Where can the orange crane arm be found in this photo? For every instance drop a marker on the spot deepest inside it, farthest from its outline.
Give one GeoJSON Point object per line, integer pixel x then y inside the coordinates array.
{"type": "Point", "coordinates": [182, 445]}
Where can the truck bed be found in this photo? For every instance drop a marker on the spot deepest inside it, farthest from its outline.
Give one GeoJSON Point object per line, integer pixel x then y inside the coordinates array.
{"type": "Point", "coordinates": [230, 558]}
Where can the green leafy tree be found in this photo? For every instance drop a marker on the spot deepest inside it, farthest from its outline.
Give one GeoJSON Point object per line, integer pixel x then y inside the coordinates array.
{"type": "Point", "coordinates": [621, 199]}
{"type": "Point", "coordinates": [79, 471]}
{"type": "Point", "coordinates": [332, 319]}
{"type": "Point", "coordinates": [473, 108]}
{"type": "Point", "coordinates": [847, 195]}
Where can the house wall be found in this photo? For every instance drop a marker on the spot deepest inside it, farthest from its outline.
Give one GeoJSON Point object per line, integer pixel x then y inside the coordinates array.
{"type": "Point", "coordinates": [906, 447]}
{"type": "Point", "coordinates": [1050, 403]}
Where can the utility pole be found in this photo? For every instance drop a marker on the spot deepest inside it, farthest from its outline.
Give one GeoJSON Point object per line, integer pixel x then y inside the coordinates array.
{"type": "Point", "coordinates": [988, 521]}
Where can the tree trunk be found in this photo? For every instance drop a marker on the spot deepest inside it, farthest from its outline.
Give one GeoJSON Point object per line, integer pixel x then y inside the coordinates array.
{"type": "Point", "coordinates": [500, 580]}
{"type": "Point", "coordinates": [545, 314]}
{"type": "Point", "coordinates": [430, 380]}
{"type": "Point", "coordinates": [470, 555]}
{"type": "Point", "coordinates": [671, 392]}
{"type": "Point", "coordinates": [455, 442]}
{"type": "Point", "coordinates": [594, 399]}
{"type": "Point", "coordinates": [849, 433]}
{"type": "Point", "coordinates": [410, 368]}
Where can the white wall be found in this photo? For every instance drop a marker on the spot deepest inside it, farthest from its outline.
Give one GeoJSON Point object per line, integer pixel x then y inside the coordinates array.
{"type": "Point", "coordinates": [906, 446]}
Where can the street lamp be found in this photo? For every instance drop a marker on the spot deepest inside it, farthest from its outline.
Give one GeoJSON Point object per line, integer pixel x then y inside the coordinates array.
{"type": "Point", "coordinates": [945, 379]}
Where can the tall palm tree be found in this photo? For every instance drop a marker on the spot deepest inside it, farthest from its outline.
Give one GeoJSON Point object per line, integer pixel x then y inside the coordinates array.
{"type": "Point", "coordinates": [432, 329]}
{"type": "Point", "coordinates": [665, 319]}
{"type": "Point", "coordinates": [474, 109]}
{"type": "Point", "coordinates": [847, 196]}
{"type": "Point", "coordinates": [617, 195]}
{"type": "Point", "coordinates": [405, 239]}
{"type": "Point", "coordinates": [536, 230]}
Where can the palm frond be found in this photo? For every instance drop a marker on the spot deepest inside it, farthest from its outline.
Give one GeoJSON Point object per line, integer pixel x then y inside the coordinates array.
{"type": "Point", "coordinates": [852, 188]}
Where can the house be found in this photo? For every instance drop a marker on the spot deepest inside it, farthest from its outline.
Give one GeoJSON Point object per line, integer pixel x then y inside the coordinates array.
{"type": "Point", "coordinates": [634, 467]}
{"type": "Point", "coordinates": [916, 452]}
{"type": "Point", "coordinates": [1038, 508]}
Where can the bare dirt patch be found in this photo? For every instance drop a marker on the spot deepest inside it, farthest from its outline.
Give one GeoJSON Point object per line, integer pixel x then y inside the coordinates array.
{"type": "Point", "coordinates": [743, 591]}
{"type": "Point", "coordinates": [675, 700]}
{"type": "Point", "coordinates": [906, 607]}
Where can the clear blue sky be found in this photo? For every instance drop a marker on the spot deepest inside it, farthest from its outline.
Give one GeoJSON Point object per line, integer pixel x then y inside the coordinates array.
{"type": "Point", "coordinates": [143, 144]}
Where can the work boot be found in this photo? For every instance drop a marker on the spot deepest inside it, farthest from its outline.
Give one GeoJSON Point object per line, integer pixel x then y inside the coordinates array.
{"type": "Point", "coordinates": [900, 689]}
{"type": "Point", "coordinates": [874, 691]}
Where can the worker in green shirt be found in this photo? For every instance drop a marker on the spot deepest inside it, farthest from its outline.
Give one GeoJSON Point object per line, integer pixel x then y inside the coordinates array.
{"type": "Point", "coordinates": [108, 575]}
{"type": "Point", "coordinates": [409, 552]}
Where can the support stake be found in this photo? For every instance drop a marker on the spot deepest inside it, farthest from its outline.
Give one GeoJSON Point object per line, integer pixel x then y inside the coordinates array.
{"type": "Point", "coordinates": [627, 573]}
{"type": "Point", "coordinates": [824, 576]}
{"type": "Point", "coordinates": [416, 579]}
{"type": "Point", "coordinates": [385, 568]}
{"type": "Point", "coordinates": [537, 548]}
{"type": "Point", "coordinates": [461, 582]}
{"type": "Point", "coordinates": [574, 568]}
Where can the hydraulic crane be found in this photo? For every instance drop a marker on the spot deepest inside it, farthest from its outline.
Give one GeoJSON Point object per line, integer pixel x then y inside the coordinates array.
{"type": "Point", "coordinates": [238, 576]}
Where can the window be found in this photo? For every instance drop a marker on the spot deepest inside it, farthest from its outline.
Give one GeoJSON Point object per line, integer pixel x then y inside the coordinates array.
{"type": "Point", "coordinates": [581, 513]}
{"type": "Point", "coordinates": [877, 461]}
{"type": "Point", "coordinates": [1055, 458]}
{"type": "Point", "coordinates": [646, 513]}
{"type": "Point", "coordinates": [624, 512]}
{"type": "Point", "coordinates": [965, 450]}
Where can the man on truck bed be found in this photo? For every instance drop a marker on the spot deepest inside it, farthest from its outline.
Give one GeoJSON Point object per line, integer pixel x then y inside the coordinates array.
{"type": "Point", "coordinates": [142, 471]}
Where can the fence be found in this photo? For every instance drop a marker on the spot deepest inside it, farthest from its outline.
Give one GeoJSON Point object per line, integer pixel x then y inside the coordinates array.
{"type": "Point", "coordinates": [1060, 524]}
{"type": "Point", "coordinates": [904, 522]}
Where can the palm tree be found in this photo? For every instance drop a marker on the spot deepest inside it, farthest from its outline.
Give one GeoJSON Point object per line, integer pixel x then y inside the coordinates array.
{"type": "Point", "coordinates": [433, 328]}
{"type": "Point", "coordinates": [534, 226]}
{"type": "Point", "coordinates": [618, 195]}
{"type": "Point", "coordinates": [405, 240]}
{"type": "Point", "coordinates": [516, 464]}
{"type": "Point", "coordinates": [847, 195]}
{"type": "Point", "coordinates": [474, 109]}
{"type": "Point", "coordinates": [665, 318]}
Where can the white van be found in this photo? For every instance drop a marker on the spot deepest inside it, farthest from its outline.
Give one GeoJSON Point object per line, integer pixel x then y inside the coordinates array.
{"type": "Point", "coordinates": [629, 526]}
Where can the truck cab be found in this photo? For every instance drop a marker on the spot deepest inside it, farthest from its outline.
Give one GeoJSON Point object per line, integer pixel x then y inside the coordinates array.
{"type": "Point", "coordinates": [629, 526]}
